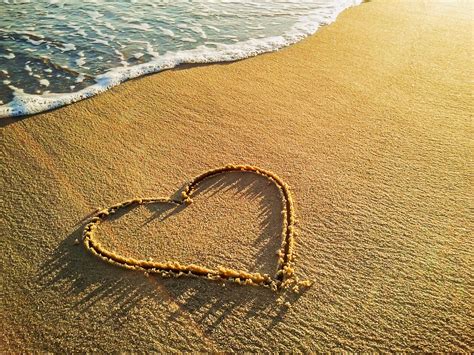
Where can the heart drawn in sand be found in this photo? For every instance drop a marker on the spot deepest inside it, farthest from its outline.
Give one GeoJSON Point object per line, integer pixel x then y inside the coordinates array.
{"type": "Point", "coordinates": [284, 277]}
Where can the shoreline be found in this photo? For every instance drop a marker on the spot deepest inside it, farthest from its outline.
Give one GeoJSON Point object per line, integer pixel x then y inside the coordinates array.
{"type": "Point", "coordinates": [24, 104]}
{"type": "Point", "coordinates": [369, 121]}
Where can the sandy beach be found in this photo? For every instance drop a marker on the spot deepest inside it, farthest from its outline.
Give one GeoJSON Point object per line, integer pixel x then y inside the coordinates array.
{"type": "Point", "coordinates": [369, 122]}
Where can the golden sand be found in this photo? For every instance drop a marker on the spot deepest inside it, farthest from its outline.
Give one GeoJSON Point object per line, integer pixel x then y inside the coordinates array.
{"type": "Point", "coordinates": [370, 123]}
{"type": "Point", "coordinates": [284, 276]}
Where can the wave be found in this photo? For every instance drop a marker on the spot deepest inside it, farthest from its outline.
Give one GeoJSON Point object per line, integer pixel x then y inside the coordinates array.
{"type": "Point", "coordinates": [27, 104]}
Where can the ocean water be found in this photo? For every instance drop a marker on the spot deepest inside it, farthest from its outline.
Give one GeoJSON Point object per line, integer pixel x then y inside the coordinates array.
{"type": "Point", "coordinates": [53, 53]}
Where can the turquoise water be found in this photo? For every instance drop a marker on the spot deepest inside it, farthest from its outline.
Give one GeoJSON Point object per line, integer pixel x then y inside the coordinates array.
{"type": "Point", "coordinates": [53, 53]}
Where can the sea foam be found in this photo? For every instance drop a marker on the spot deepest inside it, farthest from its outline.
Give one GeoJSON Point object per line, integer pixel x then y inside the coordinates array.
{"type": "Point", "coordinates": [137, 52]}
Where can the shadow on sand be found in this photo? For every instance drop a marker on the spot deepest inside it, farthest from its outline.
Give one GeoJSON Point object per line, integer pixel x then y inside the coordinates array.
{"type": "Point", "coordinates": [81, 276]}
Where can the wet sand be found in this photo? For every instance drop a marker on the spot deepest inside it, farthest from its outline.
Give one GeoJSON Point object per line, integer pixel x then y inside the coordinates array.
{"type": "Point", "coordinates": [369, 121]}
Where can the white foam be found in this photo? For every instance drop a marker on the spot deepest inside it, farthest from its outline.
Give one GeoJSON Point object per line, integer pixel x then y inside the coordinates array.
{"type": "Point", "coordinates": [80, 78]}
{"type": "Point", "coordinates": [151, 51]}
{"type": "Point", "coordinates": [199, 31]}
{"type": "Point", "coordinates": [109, 26]}
{"type": "Point", "coordinates": [81, 60]}
{"type": "Point", "coordinates": [213, 28]}
{"type": "Point", "coordinates": [101, 41]}
{"type": "Point", "coordinates": [68, 47]}
{"type": "Point", "coordinates": [101, 33]}
{"type": "Point", "coordinates": [8, 56]}
{"type": "Point", "coordinates": [44, 82]}
{"type": "Point", "coordinates": [141, 27]}
{"type": "Point", "coordinates": [122, 57]}
{"type": "Point", "coordinates": [35, 43]}
{"type": "Point", "coordinates": [24, 103]}
{"type": "Point", "coordinates": [94, 14]}
{"type": "Point", "coordinates": [167, 32]}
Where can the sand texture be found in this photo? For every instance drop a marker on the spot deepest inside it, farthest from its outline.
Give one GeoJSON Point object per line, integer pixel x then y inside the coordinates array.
{"type": "Point", "coordinates": [369, 121]}
{"type": "Point", "coordinates": [280, 277]}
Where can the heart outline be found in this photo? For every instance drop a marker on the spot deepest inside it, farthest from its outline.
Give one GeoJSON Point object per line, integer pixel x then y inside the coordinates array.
{"type": "Point", "coordinates": [284, 277]}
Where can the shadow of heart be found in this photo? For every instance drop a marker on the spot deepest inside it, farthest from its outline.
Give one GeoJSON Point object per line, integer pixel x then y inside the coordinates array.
{"type": "Point", "coordinates": [284, 276]}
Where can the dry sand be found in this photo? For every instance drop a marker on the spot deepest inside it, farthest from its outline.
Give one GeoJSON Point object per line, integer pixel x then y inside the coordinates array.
{"type": "Point", "coordinates": [370, 123]}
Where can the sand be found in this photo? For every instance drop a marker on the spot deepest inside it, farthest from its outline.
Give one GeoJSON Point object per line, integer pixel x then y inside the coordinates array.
{"type": "Point", "coordinates": [370, 123]}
